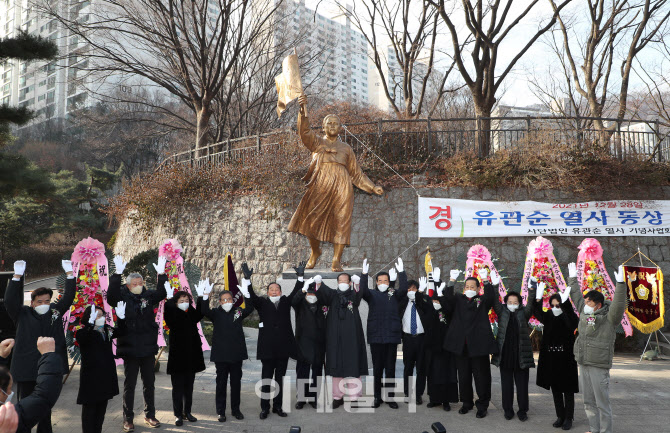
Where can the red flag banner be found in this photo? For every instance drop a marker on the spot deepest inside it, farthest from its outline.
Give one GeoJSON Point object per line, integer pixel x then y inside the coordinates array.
{"type": "Point", "coordinates": [645, 297]}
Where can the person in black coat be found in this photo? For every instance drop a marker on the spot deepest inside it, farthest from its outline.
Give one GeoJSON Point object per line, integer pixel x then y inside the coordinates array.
{"type": "Point", "coordinates": [49, 382]}
{"type": "Point", "coordinates": [557, 367]}
{"type": "Point", "coordinates": [515, 356]}
{"type": "Point", "coordinates": [470, 338]}
{"type": "Point", "coordinates": [384, 326]}
{"type": "Point", "coordinates": [186, 358]}
{"type": "Point", "coordinates": [139, 345]}
{"type": "Point", "coordinates": [229, 348]}
{"type": "Point", "coordinates": [440, 367]}
{"type": "Point", "coordinates": [276, 342]}
{"type": "Point", "coordinates": [98, 382]}
{"type": "Point", "coordinates": [41, 319]}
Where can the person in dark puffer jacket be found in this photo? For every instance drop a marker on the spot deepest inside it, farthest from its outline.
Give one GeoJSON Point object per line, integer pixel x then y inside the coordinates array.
{"type": "Point", "coordinates": [515, 356]}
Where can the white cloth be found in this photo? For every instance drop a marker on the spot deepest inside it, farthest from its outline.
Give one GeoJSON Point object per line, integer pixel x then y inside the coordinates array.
{"type": "Point", "coordinates": [407, 320]}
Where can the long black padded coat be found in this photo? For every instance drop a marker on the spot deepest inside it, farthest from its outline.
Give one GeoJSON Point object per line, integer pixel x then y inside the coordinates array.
{"type": "Point", "coordinates": [525, 348]}
{"type": "Point", "coordinates": [185, 344]}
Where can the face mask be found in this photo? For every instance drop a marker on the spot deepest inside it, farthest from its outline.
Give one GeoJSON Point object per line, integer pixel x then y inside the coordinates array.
{"type": "Point", "coordinates": [470, 293]}
{"type": "Point", "coordinates": [9, 398]}
{"type": "Point", "coordinates": [512, 307]}
{"type": "Point", "coordinates": [382, 287]}
{"type": "Point", "coordinates": [136, 290]}
{"type": "Point", "coordinates": [227, 307]}
{"type": "Point", "coordinates": [183, 306]}
{"type": "Point", "coordinates": [275, 298]}
{"type": "Point", "coordinates": [556, 311]}
{"type": "Point", "coordinates": [588, 309]}
{"type": "Point", "coordinates": [100, 321]}
{"type": "Point", "coordinates": [343, 286]}
{"type": "Point", "coordinates": [411, 295]}
{"type": "Point", "coordinates": [42, 309]}
{"type": "Point", "coordinates": [311, 299]}
{"type": "Point", "coordinates": [437, 305]}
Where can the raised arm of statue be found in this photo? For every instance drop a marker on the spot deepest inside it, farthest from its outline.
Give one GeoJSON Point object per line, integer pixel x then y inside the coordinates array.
{"type": "Point", "coordinates": [307, 135]}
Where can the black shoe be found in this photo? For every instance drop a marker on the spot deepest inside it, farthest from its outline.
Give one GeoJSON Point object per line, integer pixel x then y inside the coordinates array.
{"type": "Point", "coordinates": [558, 423]}
{"type": "Point", "coordinates": [190, 417]}
{"type": "Point", "coordinates": [392, 404]}
{"type": "Point", "coordinates": [299, 405]}
{"type": "Point", "coordinates": [481, 413]}
{"type": "Point", "coordinates": [376, 403]}
{"type": "Point", "coordinates": [432, 404]}
{"type": "Point", "coordinates": [509, 415]}
{"type": "Point", "coordinates": [279, 412]}
{"type": "Point", "coordinates": [222, 418]}
{"type": "Point", "coordinates": [264, 414]}
{"type": "Point", "coordinates": [238, 415]}
{"type": "Point", "coordinates": [178, 421]}
{"type": "Point", "coordinates": [446, 407]}
{"type": "Point", "coordinates": [567, 425]}
{"type": "Point", "coordinates": [463, 410]}
{"type": "Point", "coordinates": [313, 404]}
{"type": "Point", "coordinates": [522, 416]}
{"type": "Point", "coordinates": [337, 403]}
{"type": "Point", "coordinates": [419, 400]}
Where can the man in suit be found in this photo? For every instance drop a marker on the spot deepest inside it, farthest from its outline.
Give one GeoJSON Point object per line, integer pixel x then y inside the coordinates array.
{"type": "Point", "coordinates": [470, 338]}
{"type": "Point", "coordinates": [276, 342]}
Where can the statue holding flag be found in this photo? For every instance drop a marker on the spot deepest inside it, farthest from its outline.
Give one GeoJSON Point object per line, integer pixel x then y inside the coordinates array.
{"type": "Point", "coordinates": [324, 213]}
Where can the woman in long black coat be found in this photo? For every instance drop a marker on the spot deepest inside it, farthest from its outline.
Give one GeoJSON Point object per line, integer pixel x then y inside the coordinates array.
{"type": "Point", "coordinates": [186, 358]}
{"type": "Point", "coordinates": [557, 368]}
{"type": "Point", "coordinates": [98, 382]}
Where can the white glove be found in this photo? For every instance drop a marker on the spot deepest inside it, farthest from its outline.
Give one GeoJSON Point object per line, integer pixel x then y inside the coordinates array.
{"type": "Point", "coordinates": [495, 278]}
{"type": "Point", "coordinates": [540, 290]}
{"type": "Point", "coordinates": [356, 279]}
{"type": "Point", "coordinates": [93, 316]}
{"type": "Point", "coordinates": [366, 267]}
{"type": "Point", "coordinates": [440, 290]}
{"type": "Point", "coordinates": [244, 288]}
{"type": "Point", "coordinates": [532, 282]}
{"type": "Point", "coordinates": [393, 275]}
{"type": "Point", "coordinates": [453, 274]}
{"type": "Point", "coordinates": [423, 283]}
{"type": "Point", "coordinates": [307, 284]}
{"type": "Point", "coordinates": [160, 266]}
{"type": "Point", "coordinates": [168, 290]}
{"type": "Point", "coordinates": [19, 267]}
{"type": "Point", "coordinates": [619, 276]}
{"type": "Point", "coordinates": [318, 279]}
{"type": "Point", "coordinates": [119, 264]}
{"type": "Point", "coordinates": [121, 310]}
{"type": "Point", "coordinates": [566, 294]}
{"type": "Point", "coordinates": [67, 266]}
{"type": "Point", "coordinates": [437, 273]}
{"type": "Point", "coordinates": [399, 265]}
{"type": "Point", "coordinates": [483, 273]}
{"type": "Point", "coordinates": [200, 288]}
{"type": "Point", "coordinates": [207, 286]}
{"type": "Point", "coordinates": [572, 270]}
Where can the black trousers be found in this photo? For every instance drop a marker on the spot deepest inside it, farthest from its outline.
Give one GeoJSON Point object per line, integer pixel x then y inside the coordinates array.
{"type": "Point", "coordinates": [413, 351]}
{"type": "Point", "coordinates": [23, 390]}
{"type": "Point", "coordinates": [479, 368]}
{"type": "Point", "coordinates": [223, 370]}
{"type": "Point", "coordinates": [273, 368]}
{"type": "Point", "coordinates": [383, 364]}
{"type": "Point", "coordinates": [145, 367]}
{"type": "Point", "coordinates": [564, 403]}
{"type": "Point", "coordinates": [509, 377]}
{"type": "Point", "coordinates": [182, 393]}
{"type": "Point", "coordinates": [302, 372]}
{"type": "Point", "coordinates": [92, 416]}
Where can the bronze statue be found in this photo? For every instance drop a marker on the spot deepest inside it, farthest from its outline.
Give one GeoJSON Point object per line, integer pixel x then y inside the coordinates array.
{"type": "Point", "coordinates": [324, 213]}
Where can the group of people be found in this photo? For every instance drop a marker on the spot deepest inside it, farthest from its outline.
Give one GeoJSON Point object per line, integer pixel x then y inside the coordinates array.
{"type": "Point", "coordinates": [446, 337]}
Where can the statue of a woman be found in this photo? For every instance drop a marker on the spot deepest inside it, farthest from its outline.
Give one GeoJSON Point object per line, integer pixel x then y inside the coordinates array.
{"type": "Point", "coordinates": [324, 213]}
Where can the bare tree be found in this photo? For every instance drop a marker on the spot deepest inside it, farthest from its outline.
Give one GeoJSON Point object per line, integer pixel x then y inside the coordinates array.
{"type": "Point", "coordinates": [488, 23]}
{"type": "Point", "coordinates": [617, 31]}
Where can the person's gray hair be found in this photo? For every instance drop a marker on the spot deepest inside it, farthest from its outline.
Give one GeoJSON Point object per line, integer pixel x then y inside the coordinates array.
{"type": "Point", "coordinates": [133, 276]}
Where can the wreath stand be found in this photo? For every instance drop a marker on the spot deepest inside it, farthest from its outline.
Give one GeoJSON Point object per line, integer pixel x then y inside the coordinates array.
{"type": "Point", "coordinates": [70, 372]}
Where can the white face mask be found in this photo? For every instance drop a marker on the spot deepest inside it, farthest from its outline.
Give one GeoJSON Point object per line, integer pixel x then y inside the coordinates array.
{"type": "Point", "coordinates": [343, 286]}
{"type": "Point", "coordinates": [136, 290]}
{"type": "Point", "coordinates": [437, 305]}
{"type": "Point", "coordinates": [411, 295]}
{"type": "Point", "coordinates": [42, 309]}
{"type": "Point", "coordinates": [382, 287]}
{"type": "Point", "coordinates": [275, 298]}
{"type": "Point", "coordinates": [588, 309]}
{"type": "Point", "coordinates": [512, 307]}
{"type": "Point", "coordinates": [227, 307]}
{"type": "Point", "coordinates": [557, 311]}
{"type": "Point", "coordinates": [470, 293]}
{"type": "Point", "coordinates": [100, 321]}
{"type": "Point", "coordinates": [183, 306]}
{"type": "Point", "coordinates": [311, 299]}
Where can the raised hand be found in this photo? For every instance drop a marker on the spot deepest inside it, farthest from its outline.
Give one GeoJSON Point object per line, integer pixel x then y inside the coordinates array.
{"type": "Point", "coordinates": [120, 310]}
{"type": "Point", "coordinates": [572, 270]}
{"type": "Point", "coordinates": [160, 266]}
{"type": "Point", "coordinates": [307, 284]}
{"type": "Point", "coordinates": [168, 290]}
{"type": "Point", "coordinates": [207, 286]}
{"type": "Point", "coordinates": [540, 290]}
{"type": "Point", "coordinates": [495, 278]}
{"type": "Point", "coordinates": [532, 282]}
{"type": "Point", "coordinates": [19, 267]}
{"type": "Point", "coordinates": [355, 279]}
{"type": "Point", "coordinates": [93, 316]}
{"type": "Point", "coordinates": [453, 274]}
{"type": "Point", "coordinates": [46, 345]}
{"type": "Point", "coordinates": [200, 288]}
{"type": "Point", "coordinates": [619, 276]}
{"type": "Point", "coordinates": [565, 294]}
{"type": "Point", "coordinates": [483, 274]}
{"type": "Point", "coordinates": [6, 347]}
{"type": "Point", "coordinates": [437, 273]}
{"type": "Point", "coordinates": [9, 418]}
{"type": "Point", "coordinates": [366, 266]}
{"type": "Point", "coordinates": [423, 283]}
{"type": "Point", "coordinates": [119, 264]}
{"type": "Point", "coordinates": [393, 275]}
{"type": "Point", "coordinates": [440, 290]}
{"type": "Point", "coordinates": [318, 280]}
{"type": "Point", "coordinates": [244, 288]}
{"type": "Point", "coordinates": [300, 269]}
{"type": "Point", "coordinates": [67, 266]}
{"type": "Point", "coordinates": [400, 266]}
